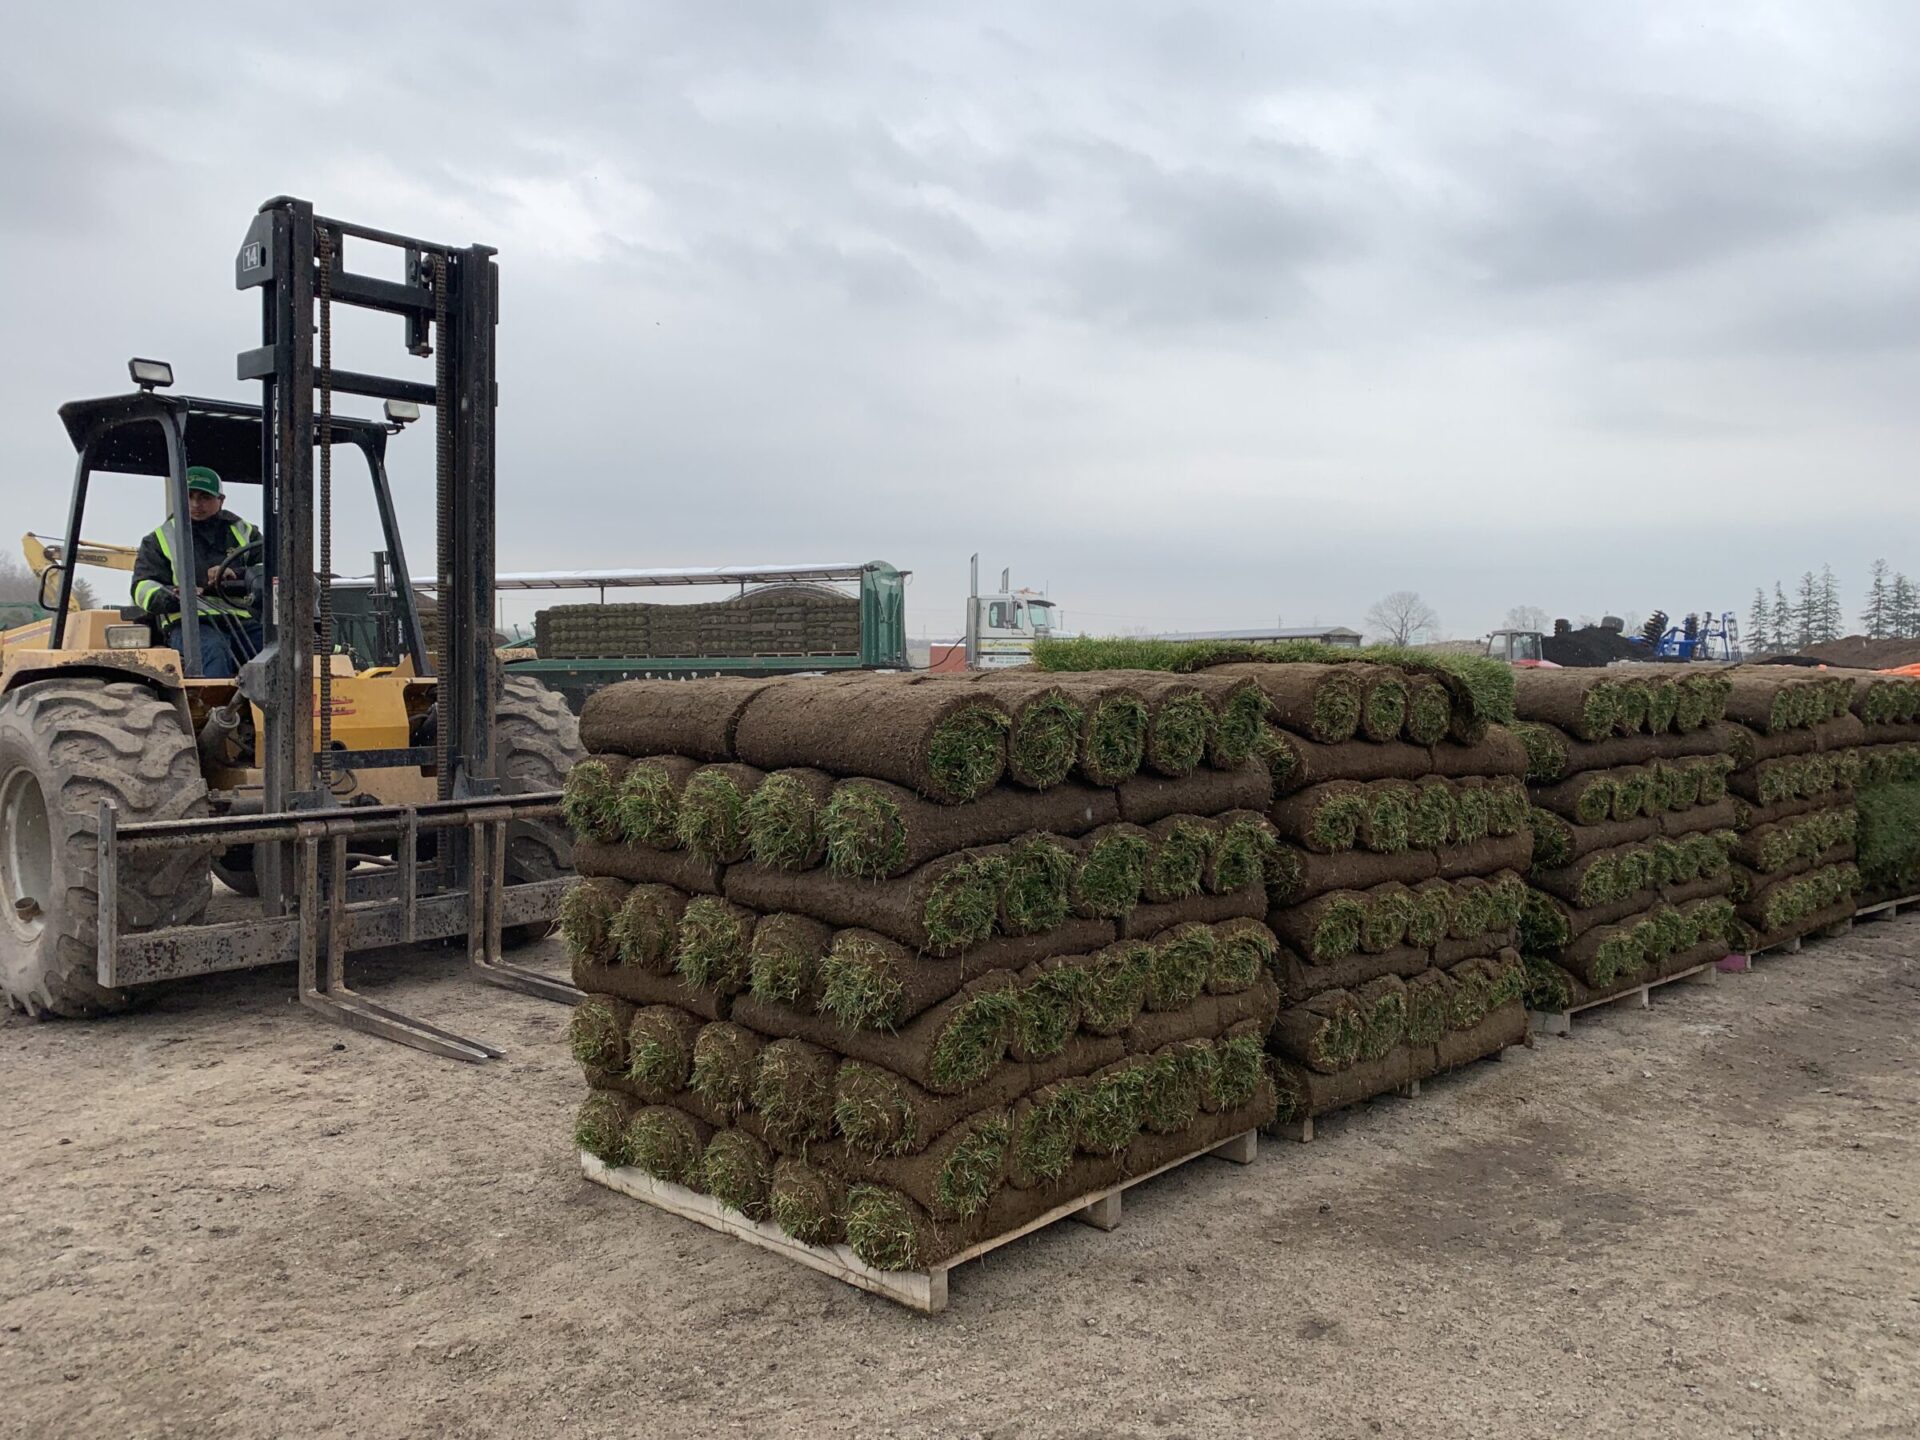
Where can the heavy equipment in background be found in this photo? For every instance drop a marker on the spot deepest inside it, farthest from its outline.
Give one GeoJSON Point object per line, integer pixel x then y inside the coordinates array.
{"type": "Point", "coordinates": [1000, 628]}
{"type": "Point", "coordinates": [346, 810]}
{"type": "Point", "coordinates": [1699, 637]}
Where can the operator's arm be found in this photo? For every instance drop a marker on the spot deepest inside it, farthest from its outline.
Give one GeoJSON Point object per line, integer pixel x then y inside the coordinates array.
{"type": "Point", "coordinates": [153, 580]}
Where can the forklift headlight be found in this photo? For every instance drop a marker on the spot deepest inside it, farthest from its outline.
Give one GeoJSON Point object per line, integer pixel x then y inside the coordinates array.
{"type": "Point", "coordinates": [402, 412]}
{"type": "Point", "coordinates": [127, 637]}
{"type": "Point", "coordinates": [150, 374]}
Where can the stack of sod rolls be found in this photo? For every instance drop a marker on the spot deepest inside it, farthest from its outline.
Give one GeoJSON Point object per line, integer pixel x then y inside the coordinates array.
{"type": "Point", "coordinates": [1795, 745]}
{"type": "Point", "coordinates": [1398, 887]}
{"type": "Point", "coordinates": [904, 962]}
{"type": "Point", "coordinates": [1633, 828]}
{"type": "Point", "coordinates": [1888, 793]}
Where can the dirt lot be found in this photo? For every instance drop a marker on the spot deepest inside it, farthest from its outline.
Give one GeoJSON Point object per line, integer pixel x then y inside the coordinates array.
{"type": "Point", "coordinates": [225, 1218]}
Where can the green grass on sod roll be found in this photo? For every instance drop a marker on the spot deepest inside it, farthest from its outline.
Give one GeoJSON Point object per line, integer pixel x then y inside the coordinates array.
{"type": "Point", "coordinates": [1237, 1066]}
{"type": "Point", "coordinates": [1427, 926]}
{"type": "Point", "coordinates": [1039, 868]}
{"type": "Point", "coordinates": [801, 1204]}
{"type": "Point", "coordinates": [1116, 985]}
{"type": "Point", "coordinates": [859, 983]}
{"type": "Point", "coordinates": [1507, 900]}
{"type": "Point", "coordinates": [1241, 951]}
{"type": "Point", "coordinates": [1426, 1019]}
{"type": "Point", "coordinates": [1239, 853]}
{"type": "Point", "coordinates": [645, 931]}
{"type": "Point", "coordinates": [647, 808]}
{"type": "Point", "coordinates": [972, 1172]}
{"type": "Point", "coordinates": [1049, 1011]}
{"type": "Point", "coordinates": [1179, 861]}
{"type": "Point", "coordinates": [1385, 709]}
{"type": "Point", "coordinates": [1046, 741]}
{"type": "Point", "coordinates": [1632, 702]}
{"type": "Point", "coordinates": [1116, 739]}
{"type": "Point", "coordinates": [782, 962]}
{"type": "Point", "coordinates": [738, 1171]}
{"type": "Point", "coordinates": [974, 1040]}
{"type": "Point", "coordinates": [1546, 751]}
{"type": "Point", "coordinates": [1239, 729]}
{"type": "Point", "coordinates": [882, 1228]}
{"type": "Point", "coordinates": [1110, 1112]}
{"type": "Point", "coordinates": [1430, 822]}
{"type": "Point", "coordinates": [713, 944]}
{"type": "Point", "coordinates": [713, 815]}
{"type": "Point", "coordinates": [1275, 749]}
{"type": "Point", "coordinates": [586, 802]}
{"type": "Point", "coordinates": [965, 902]}
{"type": "Point", "coordinates": [664, 1143]}
{"type": "Point", "coordinates": [1472, 810]}
{"type": "Point", "coordinates": [793, 1090]}
{"type": "Point", "coordinates": [783, 822]}
{"type": "Point", "coordinates": [871, 1109]}
{"type": "Point", "coordinates": [1044, 1135]}
{"type": "Point", "coordinates": [1507, 808]}
{"type": "Point", "coordinates": [966, 752]}
{"type": "Point", "coordinates": [725, 1057]}
{"type": "Point", "coordinates": [1547, 985]}
{"type": "Point", "coordinates": [596, 1036]}
{"type": "Point", "coordinates": [586, 916]}
{"type": "Point", "coordinates": [600, 1127]}
{"type": "Point", "coordinates": [1384, 1025]}
{"type": "Point", "coordinates": [1110, 874]}
{"type": "Point", "coordinates": [1335, 826]}
{"type": "Point", "coordinates": [1471, 998]}
{"type": "Point", "coordinates": [1181, 961]}
{"type": "Point", "coordinates": [1429, 714]}
{"type": "Point", "coordinates": [1175, 1079]}
{"type": "Point", "coordinates": [1389, 824]}
{"type": "Point", "coordinates": [1663, 705]}
{"type": "Point", "coordinates": [1388, 916]}
{"type": "Point", "coordinates": [1178, 734]}
{"type": "Point", "coordinates": [659, 1050]}
{"type": "Point", "coordinates": [1509, 981]}
{"type": "Point", "coordinates": [866, 837]}
{"type": "Point", "coordinates": [1889, 836]}
{"type": "Point", "coordinates": [1337, 934]}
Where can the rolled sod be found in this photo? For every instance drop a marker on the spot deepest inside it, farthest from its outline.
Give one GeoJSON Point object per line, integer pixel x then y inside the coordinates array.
{"type": "Point", "coordinates": [587, 796]}
{"type": "Point", "coordinates": [1315, 764]}
{"type": "Point", "coordinates": [1577, 701]}
{"type": "Point", "coordinates": [1319, 701]}
{"type": "Point", "coordinates": [646, 804]}
{"type": "Point", "coordinates": [1326, 928]}
{"type": "Point", "coordinates": [1607, 953]}
{"type": "Point", "coordinates": [597, 1032]}
{"type": "Point", "coordinates": [712, 818]}
{"type": "Point", "coordinates": [725, 1059]}
{"type": "Point", "coordinates": [1176, 865]}
{"type": "Point", "coordinates": [877, 830]}
{"type": "Point", "coordinates": [586, 919]}
{"type": "Point", "coordinates": [1179, 962]}
{"type": "Point", "coordinates": [1176, 1080]}
{"type": "Point", "coordinates": [1323, 1034]}
{"type": "Point", "coordinates": [783, 818]}
{"type": "Point", "coordinates": [696, 718]}
{"type": "Point", "coordinates": [1501, 1027]}
{"type": "Point", "coordinates": [1429, 710]}
{"type": "Point", "coordinates": [1325, 819]}
{"type": "Point", "coordinates": [1432, 913]}
{"type": "Point", "coordinates": [1042, 1142]}
{"type": "Point", "coordinates": [1383, 703]}
{"type": "Point", "coordinates": [1497, 752]}
{"type": "Point", "coordinates": [1554, 755]}
{"type": "Point", "coordinates": [1180, 723]}
{"type": "Point", "coordinates": [1634, 701]}
{"type": "Point", "coordinates": [1843, 732]}
{"type": "Point", "coordinates": [1043, 740]}
{"type": "Point", "coordinates": [868, 981]}
{"type": "Point", "coordinates": [1471, 908]}
{"type": "Point", "coordinates": [944, 740]}
{"type": "Point", "coordinates": [643, 866]}
{"type": "Point", "coordinates": [1426, 1000]}
{"type": "Point", "coordinates": [1585, 799]}
{"type": "Point", "coordinates": [1472, 810]}
{"type": "Point", "coordinates": [669, 1145]}
{"type": "Point", "coordinates": [1111, 1106]}
{"type": "Point", "coordinates": [1240, 712]}
{"type": "Point", "coordinates": [1771, 702]}
{"type": "Point", "coordinates": [715, 940]}
{"type": "Point", "coordinates": [881, 1113]}
{"type": "Point", "coordinates": [942, 907]}
{"type": "Point", "coordinates": [1753, 938]}
{"type": "Point", "coordinates": [1147, 799]}
{"type": "Point", "coordinates": [1390, 909]}
{"type": "Point", "coordinates": [784, 960]}
{"type": "Point", "coordinates": [951, 1178]}
{"type": "Point", "coordinates": [1204, 1017]}
{"type": "Point", "coordinates": [1483, 857]}
{"type": "Point", "coordinates": [1663, 705]}
{"type": "Point", "coordinates": [793, 1090]}
{"type": "Point", "coordinates": [1469, 992]}
{"type": "Point", "coordinates": [1632, 793]}
{"type": "Point", "coordinates": [1239, 1068]}
{"type": "Point", "coordinates": [738, 1170]}
{"type": "Point", "coordinates": [1383, 1004]}
{"type": "Point", "coordinates": [1432, 815]}
{"type": "Point", "coordinates": [1245, 949]}
{"type": "Point", "coordinates": [1243, 839]}
{"type": "Point", "coordinates": [807, 1202]}
{"type": "Point", "coordinates": [645, 930]}
{"type": "Point", "coordinates": [600, 1125]}
{"type": "Point", "coordinates": [660, 1050]}
{"type": "Point", "coordinates": [1109, 870]}
{"type": "Point", "coordinates": [641, 987]}
{"type": "Point", "coordinates": [1116, 986]}
{"type": "Point", "coordinates": [1508, 807]}
{"type": "Point", "coordinates": [1034, 897]}
{"type": "Point", "coordinates": [1386, 824]}
{"type": "Point", "coordinates": [1049, 1008]}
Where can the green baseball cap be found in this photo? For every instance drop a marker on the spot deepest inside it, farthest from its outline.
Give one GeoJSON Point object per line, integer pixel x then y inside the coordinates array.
{"type": "Point", "coordinates": [203, 479]}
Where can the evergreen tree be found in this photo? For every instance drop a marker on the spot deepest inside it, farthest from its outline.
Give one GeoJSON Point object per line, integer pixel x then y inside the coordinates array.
{"type": "Point", "coordinates": [1806, 612]}
{"type": "Point", "coordinates": [1876, 619]}
{"type": "Point", "coordinates": [1780, 634]}
{"type": "Point", "coordinates": [1831, 619]}
{"type": "Point", "coordinates": [1903, 609]}
{"type": "Point", "coordinates": [1757, 622]}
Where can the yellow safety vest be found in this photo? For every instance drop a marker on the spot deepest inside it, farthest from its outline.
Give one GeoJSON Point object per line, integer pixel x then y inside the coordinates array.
{"type": "Point", "coordinates": [242, 533]}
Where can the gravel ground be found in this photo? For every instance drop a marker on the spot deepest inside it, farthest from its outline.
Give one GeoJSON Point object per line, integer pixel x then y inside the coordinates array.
{"type": "Point", "coordinates": [222, 1217]}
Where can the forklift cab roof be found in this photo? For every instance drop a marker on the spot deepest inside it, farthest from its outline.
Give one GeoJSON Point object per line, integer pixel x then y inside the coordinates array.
{"type": "Point", "coordinates": [117, 433]}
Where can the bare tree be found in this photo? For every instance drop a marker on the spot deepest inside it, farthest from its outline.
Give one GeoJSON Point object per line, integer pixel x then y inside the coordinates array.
{"type": "Point", "coordinates": [1529, 617]}
{"type": "Point", "coordinates": [1403, 618]}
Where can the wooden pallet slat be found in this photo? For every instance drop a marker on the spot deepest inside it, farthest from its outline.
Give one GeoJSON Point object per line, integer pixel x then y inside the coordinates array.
{"type": "Point", "coordinates": [921, 1290]}
{"type": "Point", "coordinates": [1637, 997]}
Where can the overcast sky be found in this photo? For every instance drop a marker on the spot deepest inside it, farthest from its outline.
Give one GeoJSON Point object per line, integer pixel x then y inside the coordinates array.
{"type": "Point", "coordinates": [1201, 315]}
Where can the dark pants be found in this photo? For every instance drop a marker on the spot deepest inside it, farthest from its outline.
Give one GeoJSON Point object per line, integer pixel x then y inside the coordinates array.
{"type": "Point", "coordinates": [226, 643]}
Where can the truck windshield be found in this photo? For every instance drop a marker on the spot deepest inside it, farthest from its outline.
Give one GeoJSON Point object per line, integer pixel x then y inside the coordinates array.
{"type": "Point", "coordinates": [1040, 614]}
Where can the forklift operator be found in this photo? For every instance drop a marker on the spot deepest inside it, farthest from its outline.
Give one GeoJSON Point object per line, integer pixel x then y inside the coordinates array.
{"type": "Point", "coordinates": [230, 634]}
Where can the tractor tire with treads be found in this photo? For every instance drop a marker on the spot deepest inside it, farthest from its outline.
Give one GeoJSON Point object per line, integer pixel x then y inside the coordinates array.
{"type": "Point", "coordinates": [65, 746]}
{"type": "Point", "coordinates": [536, 742]}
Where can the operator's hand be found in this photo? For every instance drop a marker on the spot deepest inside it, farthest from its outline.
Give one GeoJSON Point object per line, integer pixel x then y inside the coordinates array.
{"type": "Point", "coordinates": [164, 602]}
{"type": "Point", "coordinates": [213, 578]}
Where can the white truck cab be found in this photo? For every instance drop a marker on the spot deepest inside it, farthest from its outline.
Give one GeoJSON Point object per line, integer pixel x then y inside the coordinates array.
{"type": "Point", "coordinates": [1002, 627]}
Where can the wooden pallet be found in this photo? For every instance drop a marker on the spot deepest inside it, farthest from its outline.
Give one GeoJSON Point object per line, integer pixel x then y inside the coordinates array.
{"type": "Point", "coordinates": [1742, 963]}
{"type": "Point", "coordinates": [1302, 1130]}
{"type": "Point", "coordinates": [922, 1290]}
{"type": "Point", "coordinates": [1886, 909]}
{"type": "Point", "coordinates": [1640, 997]}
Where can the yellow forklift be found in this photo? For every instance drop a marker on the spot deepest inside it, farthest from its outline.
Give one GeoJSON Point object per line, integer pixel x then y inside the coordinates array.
{"type": "Point", "coordinates": [341, 810]}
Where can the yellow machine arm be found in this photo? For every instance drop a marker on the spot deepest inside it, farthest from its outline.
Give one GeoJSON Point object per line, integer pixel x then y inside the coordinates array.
{"type": "Point", "coordinates": [43, 553]}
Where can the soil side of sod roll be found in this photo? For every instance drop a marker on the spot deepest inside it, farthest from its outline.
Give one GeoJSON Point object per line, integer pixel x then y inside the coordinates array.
{"type": "Point", "coordinates": [637, 987]}
{"type": "Point", "coordinates": [877, 982]}
{"type": "Point", "coordinates": [951, 1177]}
{"type": "Point", "coordinates": [1320, 701]}
{"type": "Point", "coordinates": [946, 741]}
{"type": "Point", "coordinates": [1150, 919]}
{"type": "Point", "coordinates": [1495, 754]}
{"type": "Point", "coordinates": [1205, 1017]}
{"type": "Point", "coordinates": [1406, 961]}
{"type": "Point", "coordinates": [878, 830]}
{"type": "Point", "coordinates": [1360, 870]}
{"type": "Point", "coordinates": [1146, 799]}
{"type": "Point", "coordinates": [1487, 857]}
{"type": "Point", "coordinates": [643, 866]}
{"type": "Point", "coordinates": [1318, 764]}
{"type": "Point", "coordinates": [942, 907]}
{"type": "Point", "coordinates": [696, 718]}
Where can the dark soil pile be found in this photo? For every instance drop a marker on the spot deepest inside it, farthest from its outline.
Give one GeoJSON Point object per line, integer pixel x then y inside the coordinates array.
{"type": "Point", "coordinates": [1588, 646]}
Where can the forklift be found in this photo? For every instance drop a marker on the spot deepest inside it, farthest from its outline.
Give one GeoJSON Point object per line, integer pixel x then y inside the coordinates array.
{"type": "Point", "coordinates": [342, 810]}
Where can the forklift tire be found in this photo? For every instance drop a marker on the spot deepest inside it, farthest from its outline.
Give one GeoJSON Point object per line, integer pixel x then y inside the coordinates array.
{"type": "Point", "coordinates": [536, 742]}
{"type": "Point", "coordinates": [65, 746]}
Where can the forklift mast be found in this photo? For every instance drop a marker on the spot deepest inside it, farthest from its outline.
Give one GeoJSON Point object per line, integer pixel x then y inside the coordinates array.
{"type": "Point", "coordinates": [447, 304]}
